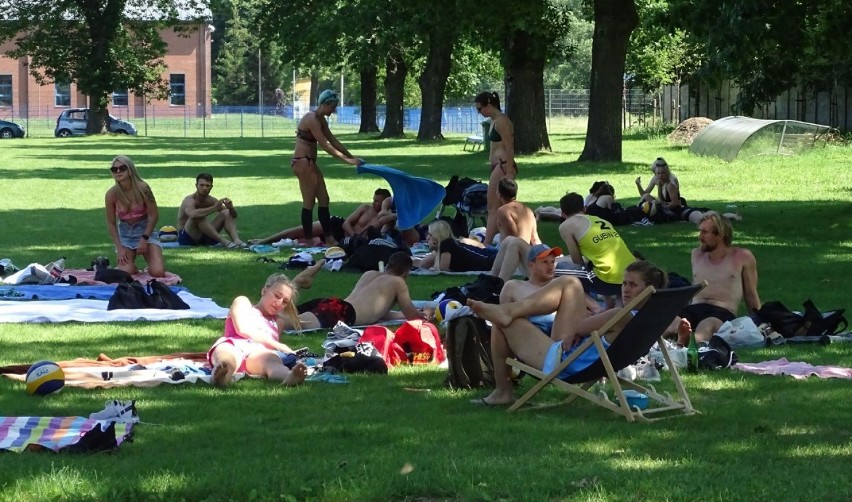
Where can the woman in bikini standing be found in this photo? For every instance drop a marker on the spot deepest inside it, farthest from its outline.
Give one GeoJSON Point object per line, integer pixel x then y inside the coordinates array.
{"type": "Point", "coordinates": [131, 215]}
{"type": "Point", "coordinates": [501, 156]}
{"type": "Point", "coordinates": [312, 131]}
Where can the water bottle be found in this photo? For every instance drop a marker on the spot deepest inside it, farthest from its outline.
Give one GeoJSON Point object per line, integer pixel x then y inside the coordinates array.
{"type": "Point", "coordinates": [692, 354]}
{"type": "Point", "coordinates": [57, 267]}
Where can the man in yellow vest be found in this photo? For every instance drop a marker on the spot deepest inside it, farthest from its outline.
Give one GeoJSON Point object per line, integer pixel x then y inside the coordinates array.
{"type": "Point", "coordinates": [598, 253]}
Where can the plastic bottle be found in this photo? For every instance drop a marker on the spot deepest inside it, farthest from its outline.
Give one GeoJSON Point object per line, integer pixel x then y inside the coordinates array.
{"type": "Point", "coordinates": [692, 354]}
{"type": "Point", "coordinates": [57, 267]}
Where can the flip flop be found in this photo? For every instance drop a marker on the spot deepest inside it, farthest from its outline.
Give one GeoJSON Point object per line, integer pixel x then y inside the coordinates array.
{"type": "Point", "coordinates": [482, 402]}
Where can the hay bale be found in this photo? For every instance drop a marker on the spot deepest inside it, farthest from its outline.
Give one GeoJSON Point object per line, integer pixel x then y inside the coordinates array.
{"type": "Point", "coordinates": [687, 130]}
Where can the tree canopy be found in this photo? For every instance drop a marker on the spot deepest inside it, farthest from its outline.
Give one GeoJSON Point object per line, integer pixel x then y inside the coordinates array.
{"type": "Point", "coordinates": [100, 46]}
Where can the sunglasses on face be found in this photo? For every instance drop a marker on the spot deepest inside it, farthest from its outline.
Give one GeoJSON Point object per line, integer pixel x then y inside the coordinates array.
{"type": "Point", "coordinates": [118, 169]}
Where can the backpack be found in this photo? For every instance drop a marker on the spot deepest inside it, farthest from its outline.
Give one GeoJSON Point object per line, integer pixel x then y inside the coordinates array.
{"type": "Point", "coordinates": [486, 288]}
{"type": "Point", "coordinates": [468, 346]}
{"type": "Point", "coordinates": [129, 295]}
{"type": "Point", "coordinates": [813, 323]}
{"type": "Point", "coordinates": [474, 199]}
{"type": "Point", "coordinates": [819, 323]}
{"type": "Point", "coordinates": [421, 342]}
{"type": "Point", "coordinates": [455, 189]}
{"type": "Point", "coordinates": [716, 355]}
{"type": "Point", "coordinates": [162, 297]}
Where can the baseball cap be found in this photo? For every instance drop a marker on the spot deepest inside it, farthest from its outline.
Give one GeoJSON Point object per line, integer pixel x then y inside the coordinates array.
{"type": "Point", "coordinates": [542, 250]}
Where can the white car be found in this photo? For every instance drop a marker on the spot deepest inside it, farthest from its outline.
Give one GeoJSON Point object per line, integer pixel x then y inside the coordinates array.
{"type": "Point", "coordinates": [73, 121]}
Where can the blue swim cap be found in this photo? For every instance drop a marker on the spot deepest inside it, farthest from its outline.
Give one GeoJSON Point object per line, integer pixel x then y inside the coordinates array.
{"type": "Point", "coordinates": [326, 96]}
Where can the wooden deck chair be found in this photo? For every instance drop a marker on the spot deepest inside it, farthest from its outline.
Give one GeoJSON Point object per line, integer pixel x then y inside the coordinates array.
{"type": "Point", "coordinates": [655, 310]}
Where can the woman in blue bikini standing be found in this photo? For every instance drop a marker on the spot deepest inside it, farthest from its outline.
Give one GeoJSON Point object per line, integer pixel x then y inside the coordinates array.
{"type": "Point", "coordinates": [501, 156]}
{"type": "Point", "coordinates": [312, 131]}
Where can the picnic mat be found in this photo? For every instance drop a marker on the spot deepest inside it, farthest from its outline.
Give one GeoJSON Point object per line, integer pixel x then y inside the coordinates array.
{"type": "Point", "coordinates": [27, 292]}
{"type": "Point", "coordinates": [795, 369]}
{"type": "Point", "coordinates": [102, 431]}
{"type": "Point", "coordinates": [96, 311]}
{"type": "Point", "coordinates": [173, 371]}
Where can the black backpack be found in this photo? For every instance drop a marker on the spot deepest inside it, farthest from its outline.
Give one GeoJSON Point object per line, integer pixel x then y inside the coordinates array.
{"type": "Point", "coordinates": [468, 348]}
{"type": "Point", "coordinates": [486, 288]}
{"type": "Point", "coordinates": [129, 295]}
{"type": "Point", "coordinates": [813, 323]}
{"type": "Point", "coordinates": [474, 199]}
{"type": "Point", "coordinates": [162, 297]}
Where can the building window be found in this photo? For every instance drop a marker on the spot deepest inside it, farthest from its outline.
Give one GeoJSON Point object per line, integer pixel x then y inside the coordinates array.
{"type": "Point", "coordinates": [177, 89]}
{"type": "Point", "coordinates": [62, 94]}
{"type": "Point", "coordinates": [5, 90]}
{"type": "Point", "coordinates": [119, 97]}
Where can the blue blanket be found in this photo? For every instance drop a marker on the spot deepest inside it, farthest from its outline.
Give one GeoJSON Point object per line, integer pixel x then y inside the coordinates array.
{"type": "Point", "coordinates": [26, 292]}
{"type": "Point", "coordinates": [413, 196]}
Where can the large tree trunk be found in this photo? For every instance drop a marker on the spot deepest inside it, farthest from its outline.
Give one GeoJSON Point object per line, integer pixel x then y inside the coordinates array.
{"type": "Point", "coordinates": [394, 90]}
{"type": "Point", "coordinates": [525, 94]}
{"type": "Point", "coordinates": [614, 21]}
{"type": "Point", "coordinates": [369, 86]}
{"type": "Point", "coordinates": [433, 80]}
{"type": "Point", "coordinates": [98, 115]}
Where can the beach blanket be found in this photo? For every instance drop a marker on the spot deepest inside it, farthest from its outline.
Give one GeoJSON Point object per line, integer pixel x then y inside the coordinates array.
{"type": "Point", "coordinates": [96, 311]}
{"type": "Point", "coordinates": [104, 361]}
{"type": "Point", "coordinates": [102, 431]}
{"type": "Point", "coordinates": [797, 370]}
{"type": "Point", "coordinates": [27, 292]}
{"type": "Point", "coordinates": [172, 371]}
{"type": "Point", "coordinates": [414, 197]}
{"type": "Point", "coordinates": [88, 277]}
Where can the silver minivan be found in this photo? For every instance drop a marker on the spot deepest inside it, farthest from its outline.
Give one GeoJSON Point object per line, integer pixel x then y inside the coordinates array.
{"type": "Point", "coordinates": [72, 122]}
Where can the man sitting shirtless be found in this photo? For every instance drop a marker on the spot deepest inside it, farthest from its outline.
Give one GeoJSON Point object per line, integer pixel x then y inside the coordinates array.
{"type": "Point", "coordinates": [731, 274]}
{"type": "Point", "coordinates": [370, 301]}
{"type": "Point", "coordinates": [196, 228]}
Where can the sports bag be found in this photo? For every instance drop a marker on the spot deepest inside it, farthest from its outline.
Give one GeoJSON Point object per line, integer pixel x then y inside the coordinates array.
{"type": "Point", "coordinates": [421, 342]}
{"type": "Point", "coordinates": [474, 199]}
{"type": "Point", "coordinates": [162, 297]}
{"type": "Point", "coordinates": [129, 295]}
{"type": "Point", "coordinates": [383, 340]}
{"type": "Point", "coordinates": [468, 346]}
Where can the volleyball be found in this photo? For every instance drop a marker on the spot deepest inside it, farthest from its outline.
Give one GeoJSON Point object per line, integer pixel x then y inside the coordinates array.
{"type": "Point", "coordinates": [649, 208]}
{"type": "Point", "coordinates": [478, 234]}
{"type": "Point", "coordinates": [44, 377]}
{"type": "Point", "coordinates": [168, 234]}
{"type": "Point", "coordinates": [445, 308]}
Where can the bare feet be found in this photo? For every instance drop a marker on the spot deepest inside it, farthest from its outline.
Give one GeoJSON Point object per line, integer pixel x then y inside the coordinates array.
{"type": "Point", "coordinates": [305, 278]}
{"type": "Point", "coordinates": [296, 376]}
{"type": "Point", "coordinates": [490, 312]}
{"type": "Point", "coordinates": [495, 399]}
{"type": "Point", "coordinates": [223, 373]}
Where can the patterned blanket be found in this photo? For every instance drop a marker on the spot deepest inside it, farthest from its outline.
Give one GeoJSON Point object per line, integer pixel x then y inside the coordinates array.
{"type": "Point", "coordinates": [102, 431]}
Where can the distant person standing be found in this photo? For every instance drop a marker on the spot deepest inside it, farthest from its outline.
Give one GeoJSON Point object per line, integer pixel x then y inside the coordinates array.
{"type": "Point", "coordinates": [312, 131]}
{"type": "Point", "coordinates": [131, 216]}
{"type": "Point", "coordinates": [502, 153]}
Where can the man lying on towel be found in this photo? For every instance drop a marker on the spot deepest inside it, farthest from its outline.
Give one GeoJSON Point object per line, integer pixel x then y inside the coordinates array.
{"type": "Point", "coordinates": [369, 302]}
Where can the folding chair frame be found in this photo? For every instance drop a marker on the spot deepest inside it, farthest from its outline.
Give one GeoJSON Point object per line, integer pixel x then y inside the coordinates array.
{"type": "Point", "coordinates": [667, 405]}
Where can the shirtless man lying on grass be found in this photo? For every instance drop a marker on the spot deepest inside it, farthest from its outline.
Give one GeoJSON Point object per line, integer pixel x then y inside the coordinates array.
{"type": "Point", "coordinates": [370, 301]}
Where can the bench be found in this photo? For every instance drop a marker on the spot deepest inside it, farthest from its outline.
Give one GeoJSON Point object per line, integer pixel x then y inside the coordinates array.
{"type": "Point", "coordinates": [473, 141]}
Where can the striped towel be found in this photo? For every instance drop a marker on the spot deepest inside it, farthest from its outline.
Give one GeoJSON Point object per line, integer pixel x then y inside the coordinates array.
{"type": "Point", "coordinates": [66, 433]}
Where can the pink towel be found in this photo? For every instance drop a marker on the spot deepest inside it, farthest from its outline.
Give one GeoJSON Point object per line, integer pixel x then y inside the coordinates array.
{"type": "Point", "coordinates": [88, 277]}
{"type": "Point", "coordinates": [797, 370]}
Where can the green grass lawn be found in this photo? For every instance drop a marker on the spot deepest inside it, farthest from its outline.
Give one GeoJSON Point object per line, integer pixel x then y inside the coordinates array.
{"type": "Point", "coordinates": [758, 437]}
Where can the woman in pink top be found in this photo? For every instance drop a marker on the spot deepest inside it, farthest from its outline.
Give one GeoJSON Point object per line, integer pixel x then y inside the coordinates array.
{"type": "Point", "coordinates": [131, 215]}
{"type": "Point", "coordinates": [250, 343]}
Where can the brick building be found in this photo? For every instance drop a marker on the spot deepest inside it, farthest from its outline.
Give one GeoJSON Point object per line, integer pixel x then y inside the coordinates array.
{"type": "Point", "coordinates": [187, 62]}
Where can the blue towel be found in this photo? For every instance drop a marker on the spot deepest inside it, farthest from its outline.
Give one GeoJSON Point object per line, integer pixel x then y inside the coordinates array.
{"type": "Point", "coordinates": [414, 197]}
{"type": "Point", "coordinates": [25, 292]}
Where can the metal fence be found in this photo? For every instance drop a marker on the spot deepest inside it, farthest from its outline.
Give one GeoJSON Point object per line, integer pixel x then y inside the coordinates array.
{"type": "Point", "coordinates": [277, 121]}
